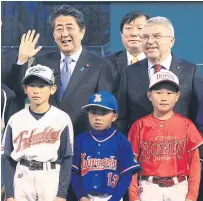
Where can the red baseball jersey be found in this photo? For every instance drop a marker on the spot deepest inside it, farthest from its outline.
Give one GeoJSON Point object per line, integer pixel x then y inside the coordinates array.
{"type": "Point", "coordinates": [162, 146]}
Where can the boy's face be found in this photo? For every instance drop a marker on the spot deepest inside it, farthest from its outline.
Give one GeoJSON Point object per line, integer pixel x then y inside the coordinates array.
{"type": "Point", "coordinates": [101, 118]}
{"type": "Point", "coordinates": [38, 91]}
{"type": "Point", "coordinates": [163, 98]}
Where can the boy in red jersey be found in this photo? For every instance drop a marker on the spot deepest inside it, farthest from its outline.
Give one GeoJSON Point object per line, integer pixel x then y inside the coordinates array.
{"type": "Point", "coordinates": [166, 145]}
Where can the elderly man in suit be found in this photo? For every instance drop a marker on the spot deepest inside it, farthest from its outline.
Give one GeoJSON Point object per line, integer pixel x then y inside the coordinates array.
{"type": "Point", "coordinates": [130, 29]}
{"type": "Point", "coordinates": [157, 39]}
{"type": "Point", "coordinates": [79, 73]}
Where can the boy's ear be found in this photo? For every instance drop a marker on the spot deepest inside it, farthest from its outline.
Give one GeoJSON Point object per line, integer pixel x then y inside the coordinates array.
{"type": "Point", "coordinates": [149, 95]}
{"type": "Point", "coordinates": [25, 89]}
{"type": "Point", "coordinates": [53, 89]}
{"type": "Point", "coordinates": [115, 116]}
{"type": "Point", "coordinates": [177, 96]}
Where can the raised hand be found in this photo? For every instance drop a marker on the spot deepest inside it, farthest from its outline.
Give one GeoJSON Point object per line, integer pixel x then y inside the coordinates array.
{"type": "Point", "coordinates": [27, 47]}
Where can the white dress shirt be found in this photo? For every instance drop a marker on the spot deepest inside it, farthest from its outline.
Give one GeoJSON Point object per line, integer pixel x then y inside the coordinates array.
{"type": "Point", "coordinates": [165, 65]}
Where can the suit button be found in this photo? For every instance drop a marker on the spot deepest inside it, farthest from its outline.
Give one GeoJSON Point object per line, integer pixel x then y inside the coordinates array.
{"type": "Point", "coordinates": [98, 153]}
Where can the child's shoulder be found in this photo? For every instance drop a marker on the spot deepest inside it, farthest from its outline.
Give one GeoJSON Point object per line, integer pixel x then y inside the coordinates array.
{"type": "Point", "coordinates": [82, 136]}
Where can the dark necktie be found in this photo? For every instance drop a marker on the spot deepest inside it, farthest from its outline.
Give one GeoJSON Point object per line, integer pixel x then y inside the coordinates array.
{"type": "Point", "coordinates": [65, 75]}
{"type": "Point", "coordinates": [157, 68]}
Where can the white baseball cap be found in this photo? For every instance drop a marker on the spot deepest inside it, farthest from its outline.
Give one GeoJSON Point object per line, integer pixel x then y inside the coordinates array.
{"type": "Point", "coordinates": [164, 76]}
{"type": "Point", "coordinates": [40, 71]}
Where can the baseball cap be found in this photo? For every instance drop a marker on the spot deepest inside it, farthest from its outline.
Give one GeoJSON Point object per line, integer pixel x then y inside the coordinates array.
{"type": "Point", "coordinates": [164, 76]}
{"type": "Point", "coordinates": [40, 71]}
{"type": "Point", "coordinates": [102, 99]}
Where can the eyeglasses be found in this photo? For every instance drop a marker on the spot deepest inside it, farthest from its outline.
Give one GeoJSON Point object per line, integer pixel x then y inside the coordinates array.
{"type": "Point", "coordinates": [154, 37]}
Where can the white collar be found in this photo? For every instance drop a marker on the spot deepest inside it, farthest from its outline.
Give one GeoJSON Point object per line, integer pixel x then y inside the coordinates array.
{"type": "Point", "coordinates": [140, 56]}
{"type": "Point", "coordinates": [74, 56]}
{"type": "Point", "coordinates": [166, 63]}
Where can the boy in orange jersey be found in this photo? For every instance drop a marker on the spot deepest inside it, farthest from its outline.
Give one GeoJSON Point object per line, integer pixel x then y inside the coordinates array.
{"type": "Point", "coordinates": [166, 145]}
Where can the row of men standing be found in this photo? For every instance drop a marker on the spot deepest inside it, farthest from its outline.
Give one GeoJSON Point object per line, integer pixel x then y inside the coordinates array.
{"type": "Point", "coordinates": [125, 73]}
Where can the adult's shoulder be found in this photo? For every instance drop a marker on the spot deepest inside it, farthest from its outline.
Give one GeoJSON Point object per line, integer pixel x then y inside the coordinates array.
{"type": "Point", "coordinates": [142, 64]}
{"type": "Point", "coordinates": [115, 55]}
{"type": "Point", "coordinates": [183, 62]}
{"type": "Point", "coordinates": [48, 55]}
{"type": "Point", "coordinates": [9, 92]}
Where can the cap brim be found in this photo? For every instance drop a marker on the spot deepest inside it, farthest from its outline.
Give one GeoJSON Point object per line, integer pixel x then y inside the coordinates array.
{"type": "Point", "coordinates": [175, 84]}
{"type": "Point", "coordinates": [31, 75]}
{"type": "Point", "coordinates": [85, 107]}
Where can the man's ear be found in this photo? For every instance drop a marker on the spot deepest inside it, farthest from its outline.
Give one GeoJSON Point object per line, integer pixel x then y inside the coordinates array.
{"type": "Point", "coordinates": [149, 95]}
{"type": "Point", "coordinates": [53, 89]}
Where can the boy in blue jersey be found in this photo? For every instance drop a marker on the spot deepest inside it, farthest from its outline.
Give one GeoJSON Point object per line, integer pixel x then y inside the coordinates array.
{"type": "Point", "coordinates": [103, 162]}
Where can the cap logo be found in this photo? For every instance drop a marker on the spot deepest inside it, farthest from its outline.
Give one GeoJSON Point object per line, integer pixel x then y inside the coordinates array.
{"type": "Point", "coordinates": [97, 98]}
{"type": "Point", "coordinates": [37, 69]}
{"type": "Point", "coordinates": [167, 76]}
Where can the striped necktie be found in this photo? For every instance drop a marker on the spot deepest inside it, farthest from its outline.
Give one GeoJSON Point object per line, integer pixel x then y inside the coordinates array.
{"type": "Point", "coordinates": [65, 75]}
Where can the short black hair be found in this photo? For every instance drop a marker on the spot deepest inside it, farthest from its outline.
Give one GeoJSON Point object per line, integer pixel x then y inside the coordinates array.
{"type": "Point", "coordinates": [129, 17]}
{"type": "Point", "coordinates": [66, 10]}
{"type": "Point", "coordinates": [166, 85]}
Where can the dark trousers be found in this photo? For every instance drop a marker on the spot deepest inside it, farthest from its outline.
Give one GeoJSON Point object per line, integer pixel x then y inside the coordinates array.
{"type": "Point", "coordinates": [71, 194]}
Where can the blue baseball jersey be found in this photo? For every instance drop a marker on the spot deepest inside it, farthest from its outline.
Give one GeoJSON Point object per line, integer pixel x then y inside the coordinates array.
{"type": "Point", "coordinates": [101, 158]}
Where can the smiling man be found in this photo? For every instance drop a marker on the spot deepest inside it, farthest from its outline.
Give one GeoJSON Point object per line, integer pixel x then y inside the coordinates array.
{"type": "Point", "coordinates": [78, 73]}
{"type": "Point", "coordinates": [131, 30]}
{"type": "Point", "coordinates": [158, 39]}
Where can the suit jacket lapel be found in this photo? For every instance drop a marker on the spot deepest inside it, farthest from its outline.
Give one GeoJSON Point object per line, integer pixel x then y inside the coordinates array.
{"type": "Point", "coordinates": [176, 66]}
{"type": "Point", "coordinates": [143, 73]}
{"type": "Point", "coordinates": [121, 62]}
{"type": "Point", "coordinates": [55, 66]}
{"type": "Point", "coordinates": [80, 70]}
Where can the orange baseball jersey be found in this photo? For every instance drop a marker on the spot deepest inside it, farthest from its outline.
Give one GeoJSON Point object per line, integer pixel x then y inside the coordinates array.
{"type": "Point", "coordinates": [162, 146]}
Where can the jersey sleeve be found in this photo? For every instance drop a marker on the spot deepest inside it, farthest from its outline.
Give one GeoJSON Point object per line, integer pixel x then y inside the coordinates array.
{"type": "Point", "coordinates": [76, 157]}
{"type": "Point", "coordinates": [127, 160]}
{"type": "Point", "coordinates": [66, 147]}
{"type": "Point", "coordinates": [133, 137]}
{"type": "Point", "coordinates": [194, 138]}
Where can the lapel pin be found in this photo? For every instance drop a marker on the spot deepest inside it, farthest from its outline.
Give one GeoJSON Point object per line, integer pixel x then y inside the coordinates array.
{"type": "Point", "coordinates": [87, 65]}
{"type": "Point", "coordinates": [178, 67]}
{"type": "Point", "coordinates": [82, 68]}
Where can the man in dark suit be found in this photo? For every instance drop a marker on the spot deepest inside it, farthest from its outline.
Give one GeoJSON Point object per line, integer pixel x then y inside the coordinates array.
{"type": "Point", "coordinates": [87, 73]}
{"type": "Point", "coordinates": [130, 29]}
{"type": "Point", "coordinates": [157, 39]}
{"type": "Point", "coordinates": [78, 73]}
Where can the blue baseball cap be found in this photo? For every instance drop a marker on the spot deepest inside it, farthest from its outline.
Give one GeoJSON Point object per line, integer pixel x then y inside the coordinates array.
{"type": "Point", "coordinates": [102, 99]}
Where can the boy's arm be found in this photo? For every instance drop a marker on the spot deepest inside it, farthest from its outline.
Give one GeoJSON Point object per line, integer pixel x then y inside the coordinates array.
{"type": "Point", "coordinates": [133, 189]}
{"type": "Point", "coordinates": [122, 186]}
{"type": "Point", "coordinates": [77, 185]}
{"type": "Point", "coordinates": [65, 151]}
{"type": "Point", "coordinates": [9, 170]}
{"type": "Point", "coordinates": [76, 178]}
{"type": "Point", "coordinates": [194, 175]}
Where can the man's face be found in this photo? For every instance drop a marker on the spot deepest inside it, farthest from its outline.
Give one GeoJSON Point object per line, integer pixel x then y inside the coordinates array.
{"type": "Point", "coordinates": [131, 35]}
{"type": "Point", "coordinates": [157, 42]}
{"type": "Point", "coordinates": [67, 34]}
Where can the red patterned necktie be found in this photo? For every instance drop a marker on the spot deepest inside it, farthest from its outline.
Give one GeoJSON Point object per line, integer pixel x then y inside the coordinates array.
{"type": "Point", "coordinates": [157, 68]}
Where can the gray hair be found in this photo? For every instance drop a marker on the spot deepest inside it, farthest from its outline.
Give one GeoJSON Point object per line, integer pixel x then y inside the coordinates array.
{"type": "Point", "coordinates": [161, 21]}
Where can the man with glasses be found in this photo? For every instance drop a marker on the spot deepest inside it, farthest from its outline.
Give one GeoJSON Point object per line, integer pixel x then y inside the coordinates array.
{"type": "Point", "coordinates": [130, 29]}
{"type": "Point", "coordinates": [157, 40]}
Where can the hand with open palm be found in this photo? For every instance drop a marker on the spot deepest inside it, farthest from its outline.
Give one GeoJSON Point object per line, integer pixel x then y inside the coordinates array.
{"type": "Point", "coordinates": [27, 47]}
